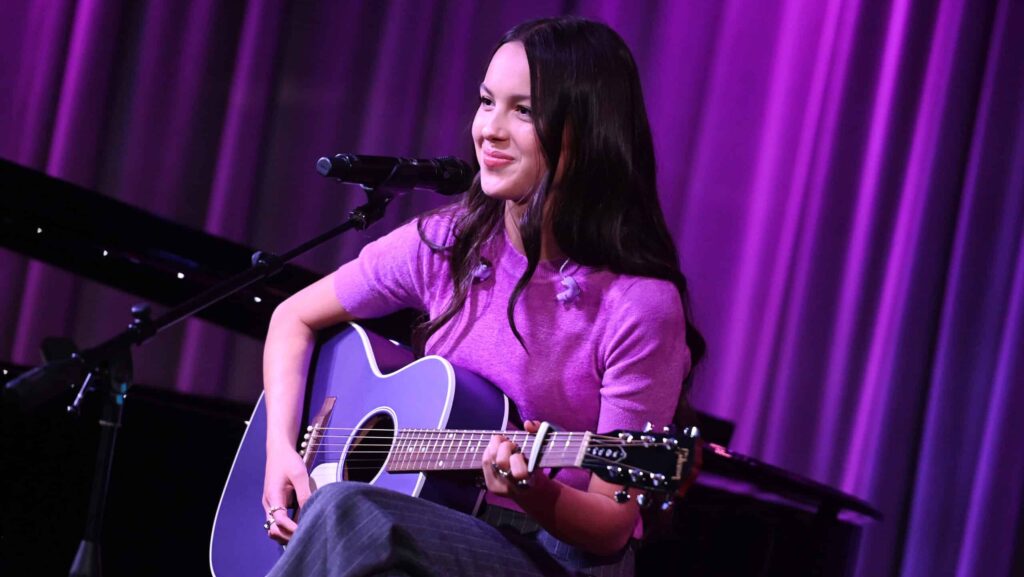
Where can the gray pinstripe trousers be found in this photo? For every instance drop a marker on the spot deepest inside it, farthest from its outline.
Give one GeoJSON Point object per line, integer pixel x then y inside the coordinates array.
{"type": "Point", "coordinates": [356, 530]}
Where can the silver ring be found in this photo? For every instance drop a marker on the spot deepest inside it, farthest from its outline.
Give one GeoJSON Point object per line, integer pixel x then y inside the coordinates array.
{"type": "Point", "coordinates": [270, 513]}
{"type": "Point", "coordinates": [505, 473]}
{"type": "Point", "coordinates": [269, 523]}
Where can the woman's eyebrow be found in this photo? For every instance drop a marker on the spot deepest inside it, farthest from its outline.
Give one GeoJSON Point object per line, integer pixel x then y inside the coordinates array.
{"type": "Point", "coordinates": [513, 97]}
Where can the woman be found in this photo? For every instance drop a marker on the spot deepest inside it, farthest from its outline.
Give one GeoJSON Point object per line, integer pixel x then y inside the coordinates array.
{"type": "Point", "coordinates": [555, 278]}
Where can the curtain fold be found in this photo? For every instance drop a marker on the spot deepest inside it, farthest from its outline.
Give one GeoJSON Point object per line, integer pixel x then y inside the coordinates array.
{"type": "Point", "coordinates": [844, 179]}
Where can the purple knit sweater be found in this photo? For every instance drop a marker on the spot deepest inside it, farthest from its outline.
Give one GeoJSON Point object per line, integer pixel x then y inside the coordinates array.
{"type": "Point", "coordinates": [613, 357]}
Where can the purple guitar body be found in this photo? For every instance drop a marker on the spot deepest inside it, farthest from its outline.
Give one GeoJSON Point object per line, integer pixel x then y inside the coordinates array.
{"type": "Point", "coordinates": [358, 381]}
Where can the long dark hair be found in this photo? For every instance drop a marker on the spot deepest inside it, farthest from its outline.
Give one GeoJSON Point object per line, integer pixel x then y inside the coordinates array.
{"type": "Point", "coordinates": [583, 84]}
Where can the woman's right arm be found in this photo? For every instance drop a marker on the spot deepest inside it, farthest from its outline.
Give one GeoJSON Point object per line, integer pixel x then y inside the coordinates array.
{"type": "Point", "coordinates": [286, 354]}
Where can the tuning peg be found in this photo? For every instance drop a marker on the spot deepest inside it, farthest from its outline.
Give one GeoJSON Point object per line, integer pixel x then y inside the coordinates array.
{"type": "Point", "coordinates": [666, 504]}
{"type": "Point", "coordinates": [621, 496]}
{"type": "Point", "coordinates": [666, 429]}
{"type": "Point", "coordinates": [648, 427]}
{"type": "Point", "coordinates": [643, 500]}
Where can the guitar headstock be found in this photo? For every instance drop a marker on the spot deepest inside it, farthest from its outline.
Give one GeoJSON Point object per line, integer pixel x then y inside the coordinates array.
{"type": "Point", "coordinates": [656, 462]}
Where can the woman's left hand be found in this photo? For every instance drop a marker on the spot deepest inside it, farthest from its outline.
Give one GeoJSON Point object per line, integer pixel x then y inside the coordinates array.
{"type": "Point", "coordinates": [504, 466]}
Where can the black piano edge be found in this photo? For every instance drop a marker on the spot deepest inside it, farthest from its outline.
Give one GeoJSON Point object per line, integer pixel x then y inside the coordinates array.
{"type": "Point", "coordinates": [740, 473]}
{"type": "Point", "coordinates": [111, 242]}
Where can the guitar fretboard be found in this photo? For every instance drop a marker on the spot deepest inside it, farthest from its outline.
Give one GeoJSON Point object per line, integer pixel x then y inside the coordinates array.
{"type": "Point", "coordinates": [453, 450]}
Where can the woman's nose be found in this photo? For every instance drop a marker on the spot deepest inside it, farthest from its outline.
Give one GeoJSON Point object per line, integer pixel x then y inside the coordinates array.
{"type": "Point", "coordinates": [494, 128]}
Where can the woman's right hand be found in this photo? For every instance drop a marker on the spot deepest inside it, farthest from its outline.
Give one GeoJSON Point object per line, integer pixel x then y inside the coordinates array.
{"type": "Point", "coordinates": [285, 475]}
{"type": "Point", "coordinates": [286, 357]}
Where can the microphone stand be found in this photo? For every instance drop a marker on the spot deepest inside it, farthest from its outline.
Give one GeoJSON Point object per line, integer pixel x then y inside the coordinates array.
{"type": "Point", "coordinates": [107, 367]}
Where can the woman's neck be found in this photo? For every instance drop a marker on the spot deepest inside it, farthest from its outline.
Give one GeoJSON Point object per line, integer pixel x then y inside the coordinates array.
{"type": "Point", "coordinates": [548, 245]}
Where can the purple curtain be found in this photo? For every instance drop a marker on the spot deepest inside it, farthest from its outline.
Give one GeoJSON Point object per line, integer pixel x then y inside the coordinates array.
{"type": "Point", "coordinates": [845, 180]}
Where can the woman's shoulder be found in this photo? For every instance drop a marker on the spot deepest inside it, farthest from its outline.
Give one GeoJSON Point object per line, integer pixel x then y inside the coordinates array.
{"type": "Point", "coordinates": [642, 297]}
{"type": "Point", "coordinates": [437, 227]}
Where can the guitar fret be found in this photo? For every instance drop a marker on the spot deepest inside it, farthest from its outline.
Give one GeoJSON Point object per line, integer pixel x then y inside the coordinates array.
{"type": "Point", "coordinates": [410, 446]}
{"type": "Point", "coordinates": [416, 449]}
{"type": "Point", "coordinates": [396, 452]}
{"type": "Point", "coordinates": [436, 447]}
{"type": "Point", "coordinates": [420, 448]}
{"type": "Point", "coordinates": [420, 441]}
{"type": "Point", "coordinates": [446, 451]}
{"type": "Point", "coordinates": [404, 457]}
{"type": "Point", "coordinates": [424, 455]}
{"type": "Point", "coordinates": [397, 461]}
{"type": "Point", "coordinates": [407, 450]}
{"type": "Point", "coordinates": [424, 452]}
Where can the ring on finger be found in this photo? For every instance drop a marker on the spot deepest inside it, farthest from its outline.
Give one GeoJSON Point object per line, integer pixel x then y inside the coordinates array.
{"type": "Point", "coordinates": [270, 522]}
{"type": "Point", "coordinates": [270, 513]}
{"type": "Point", "coordinates": [504, 473]}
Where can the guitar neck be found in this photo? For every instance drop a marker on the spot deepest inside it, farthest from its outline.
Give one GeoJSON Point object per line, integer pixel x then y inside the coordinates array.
{"type": "Point", "coordinates": [416, 450]}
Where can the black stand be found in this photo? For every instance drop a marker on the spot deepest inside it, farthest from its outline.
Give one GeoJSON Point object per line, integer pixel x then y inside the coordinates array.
{"type": "Point", "coordinates": [107, 368]}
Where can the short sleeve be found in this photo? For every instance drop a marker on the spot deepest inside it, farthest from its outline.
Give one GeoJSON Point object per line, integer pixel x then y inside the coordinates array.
{"type": "Point", "coordinates": [396, 271]}
{"type": "Point", "coordinates": [645, 358]}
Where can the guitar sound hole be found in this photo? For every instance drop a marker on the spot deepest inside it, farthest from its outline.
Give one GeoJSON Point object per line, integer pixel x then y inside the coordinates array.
{"type": "Point", "coordinates": [369, 449]}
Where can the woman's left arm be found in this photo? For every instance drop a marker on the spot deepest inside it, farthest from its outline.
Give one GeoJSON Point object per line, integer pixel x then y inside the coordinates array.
{"type": "Point", "coordinates": [566, 512]}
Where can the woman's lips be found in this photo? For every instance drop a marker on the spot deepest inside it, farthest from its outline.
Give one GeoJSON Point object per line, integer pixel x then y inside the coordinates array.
{"type": "Point", "coordinates": [496, 159]}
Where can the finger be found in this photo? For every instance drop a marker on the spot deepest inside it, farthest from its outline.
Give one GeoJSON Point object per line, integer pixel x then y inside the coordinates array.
{"type": "Point", "coordinates": [505, 450]}
{"type": "Point", "coordinates": [277, 498]}
{"type": "Point", "coordinates": [491, 452]}
{"type": "Point", "coordinates": [283, 527]}
{"type": "Point", "coordinates": [531, 426]}
{"type": "Point", "coordinates": [487, 459]}
{"type": "Point", "coordinates": [278, 535]}
{"type": "Point", "coordinates": [285, 524]}
{"type": "Point", "coordinates": [517, 464]}
{"type": "Point", "coordinates": [302, 484]}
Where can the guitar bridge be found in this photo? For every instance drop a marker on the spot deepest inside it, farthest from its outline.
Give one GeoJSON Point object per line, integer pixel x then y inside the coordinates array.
{"type": "Point", "coordinates": [314, 432]}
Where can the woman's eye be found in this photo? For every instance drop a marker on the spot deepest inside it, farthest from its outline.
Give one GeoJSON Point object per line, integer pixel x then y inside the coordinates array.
{"type": "Point", "coordinates": [524, 111]}
{"type": "Point", "coordinates": [486, 101]}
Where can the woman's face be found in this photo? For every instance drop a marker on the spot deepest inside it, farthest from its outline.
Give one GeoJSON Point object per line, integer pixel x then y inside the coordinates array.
{"type": "Point", "coordinates": [507, 148]}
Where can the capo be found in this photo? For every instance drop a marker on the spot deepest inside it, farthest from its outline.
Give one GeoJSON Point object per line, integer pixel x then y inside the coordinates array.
{"type": "Point", "coordinates": [543, 431]}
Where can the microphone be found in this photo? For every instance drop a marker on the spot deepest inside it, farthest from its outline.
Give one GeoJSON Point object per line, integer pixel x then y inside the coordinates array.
{"type": "Point", "coordinates": [446, 175]}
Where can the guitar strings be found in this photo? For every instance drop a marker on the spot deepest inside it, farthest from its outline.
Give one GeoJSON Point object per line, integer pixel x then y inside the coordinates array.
{"type": "Point", "coordinates": [475, 466]}
{"type": "Point", "coordinates": [406, 441]}
{"type": "Point", "coordinates": [457, 431]}
{"type": "Point", "coordinates": [461, 436]}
